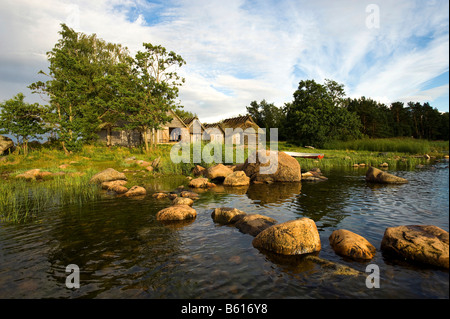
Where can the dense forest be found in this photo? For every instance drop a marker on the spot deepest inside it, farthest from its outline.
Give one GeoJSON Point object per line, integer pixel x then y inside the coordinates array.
{"type": "Point", "coordinates": [321, 113]}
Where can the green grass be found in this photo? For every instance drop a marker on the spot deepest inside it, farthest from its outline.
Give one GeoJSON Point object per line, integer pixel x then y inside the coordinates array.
{"type": "Point", "coordinates": [21, 200]}
{"type": "Point", "coordinates": [400, 145]}
{"type": "Point", "coordinates": [397, 153]}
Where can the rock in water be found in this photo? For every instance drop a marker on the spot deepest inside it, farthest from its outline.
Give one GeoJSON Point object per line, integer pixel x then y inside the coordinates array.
{"type": "Point", "coordinates": [294, 237]}
{"type": "Point", "coordinates": [423, 243]}
{"type": "Point", "coordinates": [107, 175]}
{"type": "Point", "coordinates": [378, 176]}
{"type": "Point", "coordinates": [253, 224]}
{"type": "Point", "coordinates": [218, 171]}
{"type": "Point", "coordinates": [237, 178]}
{"type": "Point", "coordinates": [200, 183]}
{"type": "Point", "coordinates": [182, 201]}
{"type": "Point", "coordinates": [135, 191]}
{"type": "Point", "coordinates": [226, 215]}
{"type": "Point", "coordinates": [271, 166]}
{"type": "Point", "coordinates": [349, 244]}
{"type": "Point", "coordinates": [177, 212]}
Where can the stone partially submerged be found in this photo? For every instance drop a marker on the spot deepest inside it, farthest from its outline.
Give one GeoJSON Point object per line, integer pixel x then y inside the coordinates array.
{"type": "Point", "coordinates": [176, 213]}
{"type": "Point", "coordinates": [226, 215]}
{"type": "Point", "coordinates": [295, 237]}
{"type": "Point", "coordinates": [426, 244]}
{"type": "Point", "coordinates": [271, 166]}
{"type": "Point", "coordinates": [253, 224]}
{"type": "Point", "coordinates": [349, 244]}
{"type": "Point", "coordinates": [237, 178]}
{"type": "Point", "coordinates": [375, 175]}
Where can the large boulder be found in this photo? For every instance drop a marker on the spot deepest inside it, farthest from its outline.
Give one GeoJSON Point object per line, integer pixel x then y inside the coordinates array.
{"type": "Point", "coordinates": [295, 237]}
{"type": "Point", "coordinates": [237, 178]}
{"type": "Point", "coordinates": [177, 212]}
{"type": "Point", "coordinates": [422, 243]}
{"type": "Point", "coordinates": [218, 171]}
{"type": "Point", "coordinates": [107, 175]}
{"type": "Point", "coordinates": [349, 244]}
{"type": "Point", "coordinates": [5, 144]}
{"type": "Point", "coordinates": [272, 166]}
{"type": "Point", "coordinates": [375, 175]}
{"type": "Point", "coordinates": [253, 224]}
{"type": "Point", "coordinates": [226, 215]}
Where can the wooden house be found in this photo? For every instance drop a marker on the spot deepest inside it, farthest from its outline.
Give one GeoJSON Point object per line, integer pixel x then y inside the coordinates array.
{"type": "Point", "coordinates": [214, 133]}
{"type": "Point", "coordinates": [244, 129]}
{"type": "Point", "coordinates": [240, 130]}
{"type": "Point", "coordinates": [173, 131]}
{"type": "Point", "coordinates": [195, 128]}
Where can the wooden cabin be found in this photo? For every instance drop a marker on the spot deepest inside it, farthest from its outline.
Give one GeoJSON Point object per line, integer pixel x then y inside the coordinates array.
{"type": "Point", "coordinates": [214, 132]}
{"type": "Point", "coordinates": [171, 132]}
{"type": "Point", "coordinates": [195, 128]}
{"type": "Point", "coordinates": [243, 130]}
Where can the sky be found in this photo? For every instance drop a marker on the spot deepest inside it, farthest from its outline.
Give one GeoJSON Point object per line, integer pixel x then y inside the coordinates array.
{"type": "Point", "coordinates": [240, 51]}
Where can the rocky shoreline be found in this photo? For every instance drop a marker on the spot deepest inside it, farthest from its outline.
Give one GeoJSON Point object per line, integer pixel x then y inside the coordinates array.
{"type": "Point", "coordinates": [426, 244]}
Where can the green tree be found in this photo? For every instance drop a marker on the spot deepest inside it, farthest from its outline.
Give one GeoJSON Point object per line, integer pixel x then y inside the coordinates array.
{"type": "Point", "coordinates": [267, 116]}
{"type": "Point", "coordinates": [155, 90]}
{"type": "Point", "coordinates": [316, 115]}
{"type": "Point", "coordinates": [21, 119]}
{"type": "Point", "coordinates": [401, 120]}
{"type": "Point", "coordinates": [85, 88]}
{"type": "Point", "coordinates": [375, 117]}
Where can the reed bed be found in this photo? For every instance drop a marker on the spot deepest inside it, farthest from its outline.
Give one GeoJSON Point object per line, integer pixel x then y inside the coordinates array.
{"type": "Point", "coordinates": [21, 200]}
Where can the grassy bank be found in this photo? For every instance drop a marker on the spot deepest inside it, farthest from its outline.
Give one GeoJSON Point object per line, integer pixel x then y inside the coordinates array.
{"type": "Point", "coordinates": [405, 153]}
{"type": "Point", "coordinates": [69, 183]}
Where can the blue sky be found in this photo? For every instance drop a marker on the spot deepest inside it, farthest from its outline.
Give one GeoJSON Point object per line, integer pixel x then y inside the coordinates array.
{"type": "Point", "coordinates": [239, 51]}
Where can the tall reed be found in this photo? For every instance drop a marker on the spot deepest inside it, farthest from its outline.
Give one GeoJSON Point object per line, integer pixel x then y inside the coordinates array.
{"type": "Point", "coordinates": [21, 199]}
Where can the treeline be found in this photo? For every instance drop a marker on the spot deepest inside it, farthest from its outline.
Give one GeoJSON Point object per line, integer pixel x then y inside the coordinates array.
{"type": "Point", "coordinates": [322, 113]}
{"type": "Point", "coordinates": [93, 84]}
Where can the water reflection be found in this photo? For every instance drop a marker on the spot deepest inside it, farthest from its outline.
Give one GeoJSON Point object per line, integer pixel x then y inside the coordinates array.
{"type": "Point", "coordinates": [273, 193]}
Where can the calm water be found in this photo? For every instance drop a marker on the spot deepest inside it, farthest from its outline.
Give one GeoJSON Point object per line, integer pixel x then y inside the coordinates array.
{"type": "Point", "coordinates": [123, 252]}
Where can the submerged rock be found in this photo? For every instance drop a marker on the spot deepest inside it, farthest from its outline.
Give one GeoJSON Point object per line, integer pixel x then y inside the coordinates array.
{"type": "Point", "coordinates": [378, 176]}
{"type": "Point", "coordinates": [226, 215]}
{"type": "Point", "coordinates": [253, 224]}
{"type": "Point", "coordinates": [349, 244]}
{"type": "Point", "coordinates": [426, 244]}
{"type": "Point", "coordinates": [294, 237]}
